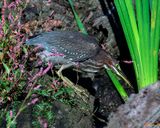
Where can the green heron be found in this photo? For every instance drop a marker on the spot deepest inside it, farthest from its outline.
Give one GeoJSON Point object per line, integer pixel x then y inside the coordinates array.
{"type": "Point", "coordinates": [70, 48]}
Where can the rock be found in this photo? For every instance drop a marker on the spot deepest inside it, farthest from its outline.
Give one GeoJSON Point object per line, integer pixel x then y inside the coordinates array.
{"type": "Point", "coordinates": [141, 110]}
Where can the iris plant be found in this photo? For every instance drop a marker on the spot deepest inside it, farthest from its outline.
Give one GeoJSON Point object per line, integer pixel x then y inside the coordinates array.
{"type": "Point", "coordinates": [140, 20]}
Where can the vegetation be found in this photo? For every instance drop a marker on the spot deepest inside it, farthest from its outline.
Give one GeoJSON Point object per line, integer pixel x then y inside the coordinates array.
{"type": "Point", "coordinates": [141, 25]}
{"type": "Point", "coordinates": [21, 84]}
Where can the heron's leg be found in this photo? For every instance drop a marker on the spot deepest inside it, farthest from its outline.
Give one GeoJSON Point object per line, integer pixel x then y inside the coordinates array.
{"type": "Point", "coordinates": [81, 92]}
{"type": "Point", "coordinates": [65, 66]}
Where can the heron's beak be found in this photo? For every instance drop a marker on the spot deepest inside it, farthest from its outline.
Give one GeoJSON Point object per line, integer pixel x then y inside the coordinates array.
{"type": "Point", "coordinates": [117, 70]}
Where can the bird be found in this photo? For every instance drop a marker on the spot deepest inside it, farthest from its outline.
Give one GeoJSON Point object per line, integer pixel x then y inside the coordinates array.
{"type": "Point", "coordinates": [66, 49]}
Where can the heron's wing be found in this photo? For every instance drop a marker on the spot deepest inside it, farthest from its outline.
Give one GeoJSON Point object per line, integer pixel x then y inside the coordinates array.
{"type": "Point", "coordinates": [74, 45]}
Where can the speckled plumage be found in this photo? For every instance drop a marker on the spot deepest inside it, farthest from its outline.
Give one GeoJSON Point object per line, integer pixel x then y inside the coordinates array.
{"type": "Point", "coordinates": [66, 46]}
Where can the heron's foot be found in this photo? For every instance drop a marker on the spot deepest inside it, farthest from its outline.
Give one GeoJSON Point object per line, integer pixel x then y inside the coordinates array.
{"type": "Point", "coordinates": [81, 92]}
